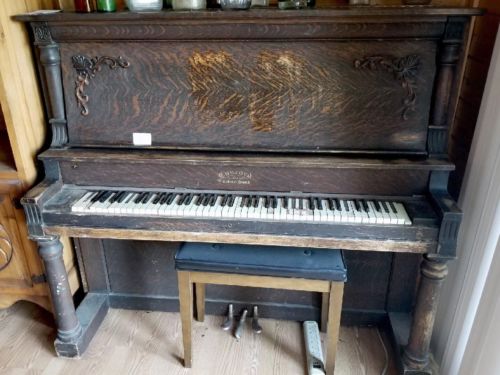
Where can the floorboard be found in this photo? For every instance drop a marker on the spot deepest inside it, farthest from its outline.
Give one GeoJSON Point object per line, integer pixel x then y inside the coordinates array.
{"type": "Point", "coordinates": [139, 342]}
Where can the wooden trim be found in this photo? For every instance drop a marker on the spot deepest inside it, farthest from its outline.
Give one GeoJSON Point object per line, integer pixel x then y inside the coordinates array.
{"type": "Point", "coordinates": [333, 328]}
{"type": "Point", "coordinates": [253, 281]}
{"type": "Point", "coordinates": [249, 239]}
{"type": "Point", "coordinates": [186, 312]}
{"type": "Point", "coordinates": [303, 16]}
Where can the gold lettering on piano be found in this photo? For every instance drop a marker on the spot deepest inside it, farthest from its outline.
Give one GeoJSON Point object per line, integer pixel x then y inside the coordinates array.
{"type": "Point", "coordinates": [234, 177]}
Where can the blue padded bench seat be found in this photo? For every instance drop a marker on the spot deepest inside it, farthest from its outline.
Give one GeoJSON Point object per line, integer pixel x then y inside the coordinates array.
{"type": "Point", "coordinates": [320, 264]}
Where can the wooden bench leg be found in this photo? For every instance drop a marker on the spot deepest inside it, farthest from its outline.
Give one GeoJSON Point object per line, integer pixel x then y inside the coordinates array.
{"type": "Point", "coordinates": [333, 325]}
{"type": "Point", "coordinates": [200, 302]}
{"type": "Point", "coordinates": [186, 310]}
{"type": "Point", "coordinates": [325, 297]}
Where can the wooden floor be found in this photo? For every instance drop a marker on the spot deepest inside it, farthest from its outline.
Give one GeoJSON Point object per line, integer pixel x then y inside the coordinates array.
{"type": "Point", "coordinates": [138, 342]}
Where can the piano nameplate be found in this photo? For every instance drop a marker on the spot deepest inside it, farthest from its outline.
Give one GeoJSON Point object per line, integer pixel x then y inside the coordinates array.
{"type": "Point", "coordinates": [234, 177]}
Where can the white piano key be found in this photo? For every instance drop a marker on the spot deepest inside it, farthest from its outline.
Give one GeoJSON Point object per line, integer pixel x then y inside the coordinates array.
{"type": "Point", "coordinates": [393, 219]}
{"type": "Point", "coordinates": [83, 202]}
{"type": "Point", "coordinates": [355, 216]}
{"type": "Point", "coordinates": [217, 212]}
{"type": "Point", "coordinates": [402, 213]}
{"type": "Point", "coordinates": [365, 219]}
{"type": "Point", "coordinates": [236, 211]}
{"type": "Point", "coordinates": [372, 214]}
{"type": "Point", "coordinates": [304, 209]}
{"type": "Point", "coordinates": [189, 210]}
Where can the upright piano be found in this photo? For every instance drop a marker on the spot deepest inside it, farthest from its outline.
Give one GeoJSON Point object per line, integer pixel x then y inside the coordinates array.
{"type": "Point", "coordinates": [322, 128]}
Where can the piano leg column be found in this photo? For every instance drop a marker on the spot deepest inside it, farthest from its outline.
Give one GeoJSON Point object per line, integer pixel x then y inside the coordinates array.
{"type": "Point", "coordinates": [416, 356]}
{"type": "Point", "coordinates": [69, 329]}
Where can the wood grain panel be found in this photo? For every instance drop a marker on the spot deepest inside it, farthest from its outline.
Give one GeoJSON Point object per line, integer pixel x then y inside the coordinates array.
{"type": "Point", "coordinates": [243, 177]}
{"type": "Point", "coordinates": [255, 95]}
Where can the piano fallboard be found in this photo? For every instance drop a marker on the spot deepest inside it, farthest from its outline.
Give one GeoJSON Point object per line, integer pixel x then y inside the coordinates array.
{"type": "Point", "coordinates": [249, 172]}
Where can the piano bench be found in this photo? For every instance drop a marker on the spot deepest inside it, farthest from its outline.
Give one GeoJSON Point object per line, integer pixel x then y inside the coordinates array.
{"type": "Point", "coordinates": [288, 268]}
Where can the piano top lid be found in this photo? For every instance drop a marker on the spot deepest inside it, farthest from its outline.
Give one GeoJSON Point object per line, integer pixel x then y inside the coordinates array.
{"type": "Point", "coordinates": [263, 15]}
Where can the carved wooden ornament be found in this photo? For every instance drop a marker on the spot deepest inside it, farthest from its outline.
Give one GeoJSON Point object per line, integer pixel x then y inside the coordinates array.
{"type": "Point", "coordinates": [5, 248]}
{"type": "Point", "coordinates": [87, 68]}
{"type": "Point", "coordinates": [404, 69]}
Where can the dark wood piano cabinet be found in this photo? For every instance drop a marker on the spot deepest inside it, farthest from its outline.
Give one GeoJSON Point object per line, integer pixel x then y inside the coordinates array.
{"type": "Point", "coordinates": [331, 103]}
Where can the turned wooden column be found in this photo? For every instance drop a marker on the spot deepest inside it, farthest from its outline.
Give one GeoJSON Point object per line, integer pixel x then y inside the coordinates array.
{"type": "Point", "coordinates": [68, 325]}
{"type": "Point", "coordinates": [416, 353]}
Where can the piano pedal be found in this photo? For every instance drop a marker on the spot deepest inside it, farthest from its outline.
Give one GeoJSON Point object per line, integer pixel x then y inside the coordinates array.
{"type": "Point", "coordinates": [256, 328]}
{"type": "Point", "coordinates": [228, 323]}
{"type": "Point", "coordinates": [241, 325]}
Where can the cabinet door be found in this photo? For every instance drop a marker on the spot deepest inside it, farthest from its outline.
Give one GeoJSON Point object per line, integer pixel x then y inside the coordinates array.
{"type": "Point", "coordinates": [13, 269]}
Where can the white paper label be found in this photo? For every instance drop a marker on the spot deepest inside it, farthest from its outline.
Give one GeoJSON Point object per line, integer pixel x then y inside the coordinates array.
{"type": "Point", "coordinates": [142, 139]}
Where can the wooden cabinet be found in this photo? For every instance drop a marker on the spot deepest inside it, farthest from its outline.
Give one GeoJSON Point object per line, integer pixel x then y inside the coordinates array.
{"type": "Point", "coordinates": [22, 132]}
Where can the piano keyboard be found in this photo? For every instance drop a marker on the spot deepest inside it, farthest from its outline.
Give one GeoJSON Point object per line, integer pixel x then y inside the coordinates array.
{"type": "Point", "coordinates": [238, 206]}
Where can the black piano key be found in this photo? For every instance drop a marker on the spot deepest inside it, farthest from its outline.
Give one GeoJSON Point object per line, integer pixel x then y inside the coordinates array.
{"type": "Point", "coordinates": [365, 205]}
{"type": "Point", "coordinates": [275, 202]}
{"type": "Point", "coordinates": [128, 198]}
{"type": "Point", "coordinates": [312, 203]}
{"type": "Point", "coordinates": [377, 206]}
{"type": "Point", "coordinates": [139, 197]}
{"type": "Point", "coordinates": [336, 204]}
{"type": "Point", "coordinates": [158, 198]}
{"type": "Point", "coordinates": [386, 209]}
{"type": "Point", "coordinates": [255, 201]}
{"type": "Point", "coordinates": [171, 198]}
{"type": "Point", "coordinates": [225, 198]}
{"type": "Point", "coordinates": [346, 206]}
{"type": "Point", "coordinates": [331, 205]}
{"type": "Point", "coordinates": [393, 208]}
{"type": "Point", "coordinates": [243, 201]}
{"type": "Point", "coordinates": [114, 197]}
{"type": "Point", "coordinates": [180, 199]}
{"type": "Point", "coordinates": [319, 204]}
{"type": "Point", "coordinates": [146, 198]}
{"type": "Point", "coordinates": [285, 202]}
{"type": "Point", "coordinates": [109, 196]}
{"type": "Point", "coordinates": [188, 199]}
{"type": "Point", "coordinates": [230, 200]}
{"type": "Point", "coordinates": [357, 206]}
{"type": "Point", "coordinates": [266, 202]}
{"type": "Point", "coordinates": [164, 199]}
{"type": "Point", "coordinates": [212, 200]}
{"type": "Point", "coordinates": [301, 203]}
{"type": "Point", "coordinates": [197, 200]}
{"type": "Point", "coordinates": [98, 196]}
{"type": "Point", "coordinates": [119, 197]}
{"type": "Point", "coordinates": [205, 200]}
{"type": "Point", "coordinates": [105, 196]}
